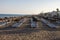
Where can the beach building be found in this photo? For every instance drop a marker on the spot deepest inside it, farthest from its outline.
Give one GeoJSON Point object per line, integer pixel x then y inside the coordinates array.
{"type": "Point", "coordinates": [52, 14]}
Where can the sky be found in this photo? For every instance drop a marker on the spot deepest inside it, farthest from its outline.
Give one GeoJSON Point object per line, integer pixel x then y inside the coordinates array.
{"type": "Point", "coordinates": [28, 6]}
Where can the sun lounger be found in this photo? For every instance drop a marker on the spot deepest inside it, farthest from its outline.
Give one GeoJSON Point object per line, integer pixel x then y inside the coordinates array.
{"type": "Point", "coordinates": [48, 23]}
{"type": "Point", "coordinates": [33, 23]}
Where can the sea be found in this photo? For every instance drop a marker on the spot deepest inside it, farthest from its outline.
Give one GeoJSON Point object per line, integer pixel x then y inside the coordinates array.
{"type": "Point", "coordinates": [9, 15]}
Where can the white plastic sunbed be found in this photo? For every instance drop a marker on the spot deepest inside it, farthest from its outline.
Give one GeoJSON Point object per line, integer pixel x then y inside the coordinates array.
{"type": "Point", "coordinates": [19, 23]}
{"type": "Point", "coordinates": [48, 23]}
{"type": "Point", "coordinates": [33, 24]}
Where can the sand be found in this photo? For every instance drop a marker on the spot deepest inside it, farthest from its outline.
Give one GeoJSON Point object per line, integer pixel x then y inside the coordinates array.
{"type": "Point", "coordinates": [43, 32]}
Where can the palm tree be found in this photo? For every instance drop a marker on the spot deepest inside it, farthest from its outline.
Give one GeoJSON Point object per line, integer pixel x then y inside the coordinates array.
{"type": "Point", "coordinates": [57, 12]}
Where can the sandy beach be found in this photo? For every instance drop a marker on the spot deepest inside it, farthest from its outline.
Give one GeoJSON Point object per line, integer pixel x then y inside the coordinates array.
{"type": "Point", "coordinates": [43, 32]}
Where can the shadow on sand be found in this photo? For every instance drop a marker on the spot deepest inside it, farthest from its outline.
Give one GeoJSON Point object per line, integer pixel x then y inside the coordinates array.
{"type": "Point", "coordinates": [26, 30]}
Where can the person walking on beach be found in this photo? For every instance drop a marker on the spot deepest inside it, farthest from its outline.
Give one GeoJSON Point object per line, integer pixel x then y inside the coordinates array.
{"type": "Point", "coordinates": [33, 22]}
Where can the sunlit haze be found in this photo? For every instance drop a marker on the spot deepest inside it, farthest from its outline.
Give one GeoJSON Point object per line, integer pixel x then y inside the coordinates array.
{"type": "Point", "coordinates": [28, 6]}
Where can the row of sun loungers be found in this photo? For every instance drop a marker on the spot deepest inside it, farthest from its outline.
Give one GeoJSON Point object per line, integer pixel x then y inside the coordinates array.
{"type": "Point", "coordinates": [49, 24]}
{"type": "Point", "coordinates": [5, 24]}
{"type": "Point", "coordinates": [12, 24]}
{"type": "Point", "coordinates": [18, 24]}
{"type": "Point", "coordinates": [33, 24]}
